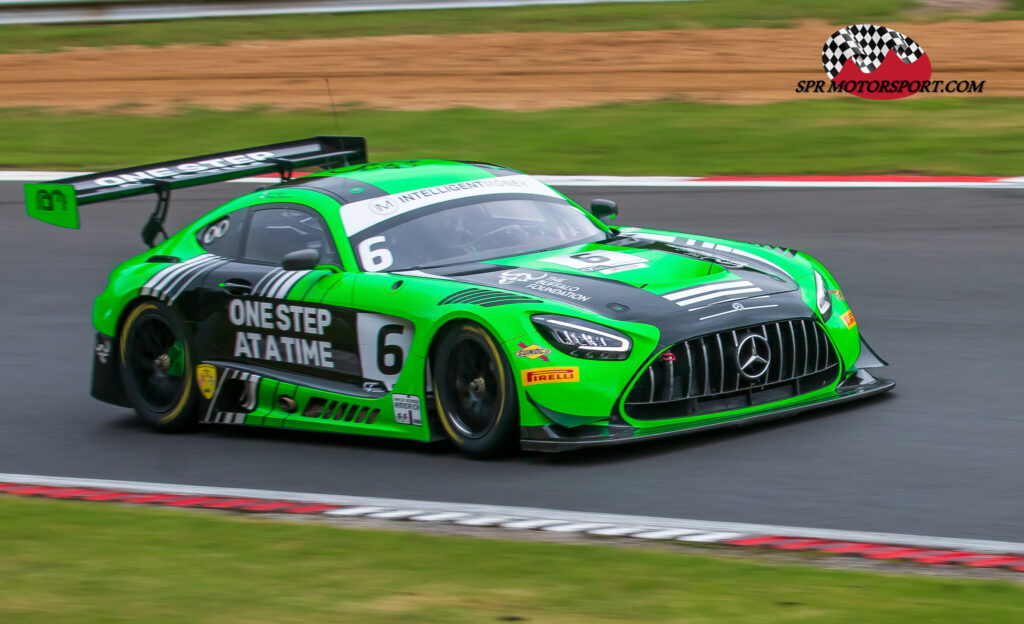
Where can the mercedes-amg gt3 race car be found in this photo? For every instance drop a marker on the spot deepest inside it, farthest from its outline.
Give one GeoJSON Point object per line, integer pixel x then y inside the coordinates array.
{"type": "Point", "coordinates": [438, 299]}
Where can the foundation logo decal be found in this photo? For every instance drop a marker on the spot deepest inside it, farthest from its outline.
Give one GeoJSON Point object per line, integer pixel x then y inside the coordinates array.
{"type": "Point", "coordinates": [875, 62]}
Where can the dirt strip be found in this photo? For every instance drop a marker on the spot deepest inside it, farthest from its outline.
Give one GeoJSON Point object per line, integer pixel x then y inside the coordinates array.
{"type": "Point", "coordinates": [513, 71]}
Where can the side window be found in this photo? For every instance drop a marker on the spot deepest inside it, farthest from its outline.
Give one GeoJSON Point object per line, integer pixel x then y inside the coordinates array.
{"type": "Point", "coordinates": [223, 236]}
{"type": "Point", "coordinates": [274, 232]}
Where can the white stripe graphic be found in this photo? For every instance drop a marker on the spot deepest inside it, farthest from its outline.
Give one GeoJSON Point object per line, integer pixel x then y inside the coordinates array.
{"type": "Point", "coordinates": [257, 290]}
{"type": "Point", "coordinates": [679, 294]}
{"type": "Point", "coordinates": [272, 285]}
{"type": "Point", "coordinates": [724, 293]}
{"type": "Point", "coordinates": [664, 238]}
{"type": "Point", "coordinates": [176, 270]}
{"type": "Point", "coordinates": [161, 276]}
{"type": "Point", "coordinates": [274, 292]}
{"type": "Point", "coordinates": [293, 279]}
{"type": "Point", "coordinates": [168, 284]}
{"type": "Point", "coordinates": [175, 288]}
{"type": "Point", "coordinates": [174, 291]}
{"type": "Point", "coordinates": [747, 254]}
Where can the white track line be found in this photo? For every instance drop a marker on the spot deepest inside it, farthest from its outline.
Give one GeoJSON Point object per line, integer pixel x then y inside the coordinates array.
{"type": "Point", "coordinates": [681, 182]}
{"type": "Point", "coordinates": [489, 515]}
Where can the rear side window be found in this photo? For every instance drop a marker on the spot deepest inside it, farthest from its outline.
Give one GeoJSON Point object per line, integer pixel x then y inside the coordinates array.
{"type": "Point", "coordinates": [274, 232]}
{"type": "Point", "coordinates": [223, 236]}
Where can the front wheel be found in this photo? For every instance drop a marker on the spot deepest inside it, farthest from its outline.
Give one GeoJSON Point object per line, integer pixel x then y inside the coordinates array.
{"type": "Point", "coordinates": [475, 392]}
{"type": "Point", "coordinates": [156, 365]}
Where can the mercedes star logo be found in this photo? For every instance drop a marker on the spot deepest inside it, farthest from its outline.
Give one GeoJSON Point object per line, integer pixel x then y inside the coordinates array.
{"type": "Point", "coordinates": [753, 355]}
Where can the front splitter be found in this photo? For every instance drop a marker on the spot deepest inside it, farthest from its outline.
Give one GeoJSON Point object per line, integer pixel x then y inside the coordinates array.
{"type": "Point", "coordinates": [553, 439]}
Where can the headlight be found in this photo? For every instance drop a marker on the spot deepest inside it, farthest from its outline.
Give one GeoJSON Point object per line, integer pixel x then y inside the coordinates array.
{"type": "Point", "coordinates": [824, 300]}
{"type": "Point", "coordinates": [583, 339]}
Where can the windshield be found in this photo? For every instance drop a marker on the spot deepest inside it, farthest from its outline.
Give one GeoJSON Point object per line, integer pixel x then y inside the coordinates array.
{"type": "Point", "coordinates": [472, 229]}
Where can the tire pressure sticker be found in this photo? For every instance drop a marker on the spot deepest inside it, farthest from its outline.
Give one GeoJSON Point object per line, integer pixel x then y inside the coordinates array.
{"type": "Point", "coordinates": [407, 409]}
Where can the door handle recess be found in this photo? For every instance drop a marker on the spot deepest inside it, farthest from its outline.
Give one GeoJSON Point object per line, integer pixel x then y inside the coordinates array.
{"type": "Point", "coordinates": [237, 286]}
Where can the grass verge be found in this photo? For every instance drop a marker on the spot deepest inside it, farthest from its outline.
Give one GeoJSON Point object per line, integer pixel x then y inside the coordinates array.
{"type": "Point", "coordinates": [573, 18]}
{"type": "Point", "coordinates": [75, 562]}
{"type": "Point", "coordinates": [842, 136]}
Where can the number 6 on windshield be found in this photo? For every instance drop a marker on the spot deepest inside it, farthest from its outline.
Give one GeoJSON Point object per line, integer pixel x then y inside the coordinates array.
{"type": "Point", "coordinates": [375, 259]}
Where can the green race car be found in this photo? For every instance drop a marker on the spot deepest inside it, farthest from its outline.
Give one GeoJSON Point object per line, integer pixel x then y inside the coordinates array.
{"type": "Point", "coordinates": [437, 299]}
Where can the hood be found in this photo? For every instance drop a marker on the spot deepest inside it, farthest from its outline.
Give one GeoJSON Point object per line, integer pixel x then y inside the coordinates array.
{"type": "Point", "coordinates": [634, 279]}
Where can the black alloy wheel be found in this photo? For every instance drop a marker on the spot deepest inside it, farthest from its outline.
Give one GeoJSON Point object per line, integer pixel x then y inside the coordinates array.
{"type": "Point", "coordinates": [156, 367]}
{"type": "Point", "coordinates": [475, 392]}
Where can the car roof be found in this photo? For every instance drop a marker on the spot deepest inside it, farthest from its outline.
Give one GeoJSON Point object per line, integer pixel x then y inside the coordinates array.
{"type": "Point", "coordinates": [360, 182]}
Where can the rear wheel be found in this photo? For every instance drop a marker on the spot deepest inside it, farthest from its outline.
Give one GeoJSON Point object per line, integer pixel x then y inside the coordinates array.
{"type": "Point", "coordinates": [475, 392]}
{"type": "Point", "coordinates": [156, 364]}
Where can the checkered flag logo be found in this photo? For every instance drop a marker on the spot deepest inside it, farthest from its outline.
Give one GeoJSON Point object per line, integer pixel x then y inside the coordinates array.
{"type": "Point", "coordinates": [867, 45]}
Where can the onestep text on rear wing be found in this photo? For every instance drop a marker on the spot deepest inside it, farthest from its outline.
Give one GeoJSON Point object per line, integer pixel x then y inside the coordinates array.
{"type": "Point", "coordinates": [57, 203]}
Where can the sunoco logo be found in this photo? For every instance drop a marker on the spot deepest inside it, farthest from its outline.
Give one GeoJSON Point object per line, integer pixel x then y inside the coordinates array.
{"type": "Point", "coordinates": [879, 63]}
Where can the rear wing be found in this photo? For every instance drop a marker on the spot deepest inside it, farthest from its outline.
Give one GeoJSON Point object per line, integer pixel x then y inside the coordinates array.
{"type": "Point", "coordinates": [57, 203]}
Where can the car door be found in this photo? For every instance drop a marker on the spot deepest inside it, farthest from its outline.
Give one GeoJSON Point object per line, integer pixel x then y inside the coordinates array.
{"type": "Point", "coordinates": [259, 317]}
{"type": "Point", "coordinates": [297, 326]}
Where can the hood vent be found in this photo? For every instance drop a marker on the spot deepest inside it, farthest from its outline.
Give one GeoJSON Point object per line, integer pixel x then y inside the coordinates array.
{"type": "Point", "coordinates": [485, 298]}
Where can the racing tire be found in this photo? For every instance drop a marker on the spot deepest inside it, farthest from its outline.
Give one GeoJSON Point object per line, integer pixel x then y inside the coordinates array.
{"type": "Point", "coordinates": [156, 367]}
{"type": "Point", "coordinates": [475, 392]}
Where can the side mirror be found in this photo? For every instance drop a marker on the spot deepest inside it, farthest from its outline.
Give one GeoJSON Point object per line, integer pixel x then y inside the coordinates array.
{"type": "Point", "coordinates": [301, 260]}
{"type": "Point", "coordinates": [604, 209]}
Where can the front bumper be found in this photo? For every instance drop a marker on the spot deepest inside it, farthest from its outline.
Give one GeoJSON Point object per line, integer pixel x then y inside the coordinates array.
{"type": "Point", "coordinates": [553, 438]}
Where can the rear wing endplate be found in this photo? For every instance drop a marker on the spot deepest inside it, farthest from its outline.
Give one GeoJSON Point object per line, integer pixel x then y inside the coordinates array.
{"type": "Point", "coordinates": [57, 203]}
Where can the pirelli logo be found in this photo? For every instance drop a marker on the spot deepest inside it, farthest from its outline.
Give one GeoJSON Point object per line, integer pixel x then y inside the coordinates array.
{"type": "Point", "coordinates": [550, 374]}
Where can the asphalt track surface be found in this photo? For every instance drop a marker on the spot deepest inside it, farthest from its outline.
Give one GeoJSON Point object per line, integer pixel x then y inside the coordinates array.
{"type": "Point", "coordinates": [934, 276]}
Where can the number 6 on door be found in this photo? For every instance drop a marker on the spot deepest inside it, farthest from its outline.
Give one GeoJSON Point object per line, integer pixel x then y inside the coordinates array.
{"type": "Point", "coordinates": [384, 343]}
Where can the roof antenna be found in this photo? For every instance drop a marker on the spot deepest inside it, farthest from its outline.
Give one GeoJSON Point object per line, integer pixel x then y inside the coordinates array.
{"type": "Point", "coordinates": [334, 109]}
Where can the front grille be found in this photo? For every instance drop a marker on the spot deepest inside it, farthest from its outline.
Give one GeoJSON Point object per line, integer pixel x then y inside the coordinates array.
{"type": "Point", "coordinates": [702, 375]}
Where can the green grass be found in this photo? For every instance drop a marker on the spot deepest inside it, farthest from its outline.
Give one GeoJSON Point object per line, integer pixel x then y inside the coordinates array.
{"type": "Point", "coordinates": [81, 562]}
{"type": "Point", "coordinates": [844, 135]}
{"type": "Point", "coordinates": [589, 18]}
